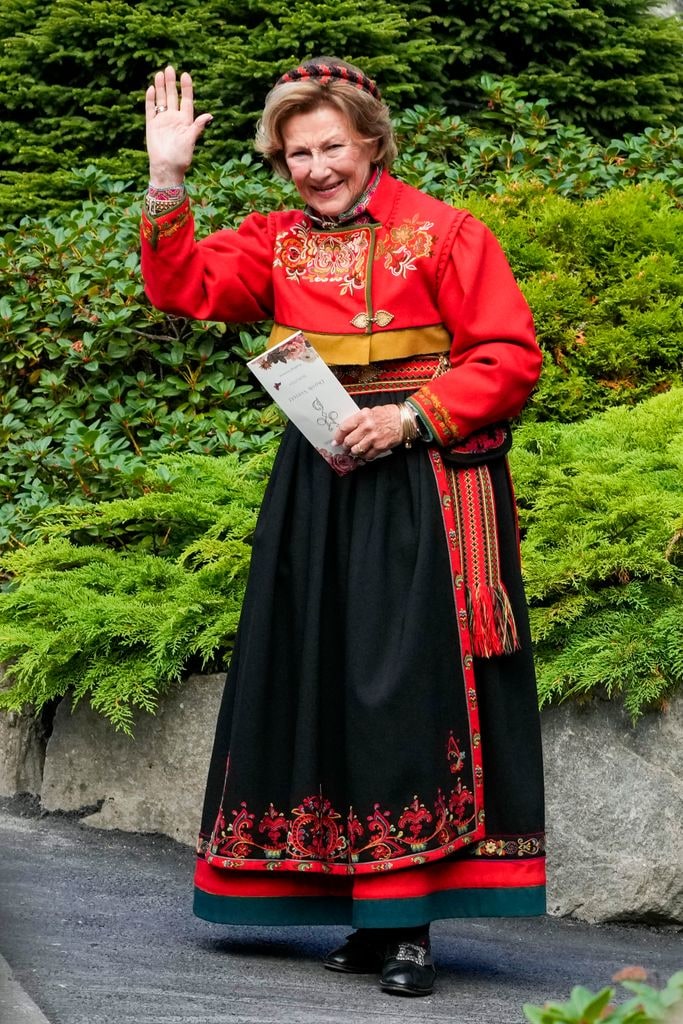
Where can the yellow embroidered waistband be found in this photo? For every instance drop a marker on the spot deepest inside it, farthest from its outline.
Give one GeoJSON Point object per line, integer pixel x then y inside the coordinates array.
{"type": "Point", "coordinates": [362, 349]}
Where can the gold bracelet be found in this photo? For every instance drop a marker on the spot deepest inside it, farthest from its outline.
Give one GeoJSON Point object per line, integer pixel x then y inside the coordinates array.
{"type": "Point", "coordinates": [409, 428]}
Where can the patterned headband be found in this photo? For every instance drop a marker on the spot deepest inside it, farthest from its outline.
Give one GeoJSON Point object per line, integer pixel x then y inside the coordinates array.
{"type": "Point", "coordinates": [326, 72]}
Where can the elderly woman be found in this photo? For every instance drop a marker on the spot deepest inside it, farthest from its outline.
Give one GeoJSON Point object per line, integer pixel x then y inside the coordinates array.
{"type": "Point", "coordinates": [377, 759]}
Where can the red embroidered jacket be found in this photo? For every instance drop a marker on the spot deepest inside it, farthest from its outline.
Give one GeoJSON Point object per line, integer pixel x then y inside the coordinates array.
{"type": "Point", "coordinates": [421, 278]}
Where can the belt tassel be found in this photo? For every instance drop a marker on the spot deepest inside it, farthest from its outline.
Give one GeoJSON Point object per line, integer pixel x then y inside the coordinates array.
{"type": "Point", "coordinates": [469, 514]}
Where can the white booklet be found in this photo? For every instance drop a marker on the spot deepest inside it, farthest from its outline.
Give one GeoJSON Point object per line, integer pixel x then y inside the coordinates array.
{"type": "Point", "coordinates": [309, 394]}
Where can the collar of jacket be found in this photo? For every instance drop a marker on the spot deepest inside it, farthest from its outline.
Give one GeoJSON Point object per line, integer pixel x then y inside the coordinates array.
{"type": "Point", "coordinates": [381, 206]}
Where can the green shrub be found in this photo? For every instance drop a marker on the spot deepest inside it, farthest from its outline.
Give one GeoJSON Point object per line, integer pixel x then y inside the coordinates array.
{"type": "Point", "coordinates": [72, 72]}
{"type": "Point", "coordinates": [601, 506]}
{"type": "Point", "coordinates": [93, 380]}
{"type": "Point", "coordinates": [611, 67]}
{"type": "Point", "coordinates": [129, 594]}
{"type": "Point", "coordinates": [520, 140]}
{"type": "Point", "coordinates": [648, 1005]}
{"type": "Point", "coordinates": [604, 282]}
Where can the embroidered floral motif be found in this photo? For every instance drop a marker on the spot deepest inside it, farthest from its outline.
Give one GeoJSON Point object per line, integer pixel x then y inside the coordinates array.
{"type": "Point", "coordinates": [339, 259]}
{"type": "Point", "coordinates": [460, 805]}
{"type": "Point", "coordinates": [416, 820]}
{"type": "Point", "coordinates": [315, 831]}
{"type": "Point", "coordinates": [456, 756]}
{"type": "Point", "coordinates": [405, 244]}
{"type": "Point", "coordinates": [274, 825]}
{"type": "Point", "coordinates": [511, 846]}
{"type": "Point", "coordinates": [492, 439]}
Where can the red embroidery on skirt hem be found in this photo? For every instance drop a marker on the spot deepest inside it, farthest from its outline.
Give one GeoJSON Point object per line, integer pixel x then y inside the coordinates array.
{"type": "Point", "coordinates": [324, 867]}
{"type": "Point", "coordinates": [316, 837]}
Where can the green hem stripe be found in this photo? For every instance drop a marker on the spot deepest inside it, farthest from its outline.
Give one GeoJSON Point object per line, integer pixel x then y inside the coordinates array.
{"type": "Point", "coordinates": [309, 910]}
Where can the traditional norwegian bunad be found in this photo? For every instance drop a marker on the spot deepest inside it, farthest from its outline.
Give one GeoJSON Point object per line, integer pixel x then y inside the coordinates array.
{"type": "Point", "coordinates": [377, 759]}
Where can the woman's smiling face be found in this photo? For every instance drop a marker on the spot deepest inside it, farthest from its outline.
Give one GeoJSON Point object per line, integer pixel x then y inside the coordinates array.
{"type": "Point", "coordinates": [330, 165]}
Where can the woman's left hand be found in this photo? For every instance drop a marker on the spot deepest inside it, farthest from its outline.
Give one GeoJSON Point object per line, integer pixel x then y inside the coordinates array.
{"type": "Point", "coordinates": [370, 432]}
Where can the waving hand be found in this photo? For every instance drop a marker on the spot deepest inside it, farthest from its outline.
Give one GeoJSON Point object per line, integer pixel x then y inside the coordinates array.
{"type": "Point", "coordinates": [172, 128]}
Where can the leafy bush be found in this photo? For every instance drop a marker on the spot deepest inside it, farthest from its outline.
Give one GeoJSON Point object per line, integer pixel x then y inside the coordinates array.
{"type": "Point", "coordinates": [609, 67]}
{"type": "Point", "coordinates": [518, 140]}
{"type": "Point", "coordinates": [72, 72]}
{"type": "Point", "coordinates": [648, 1005]}
{"type": "Point", "coordinates": [128, 594]}
{"type": "Point", "coordinates": [93, 381]}
{"type": "Point", "coordinates": [601, 510]}
{"type": "Point", "coordinates": [604, 282]}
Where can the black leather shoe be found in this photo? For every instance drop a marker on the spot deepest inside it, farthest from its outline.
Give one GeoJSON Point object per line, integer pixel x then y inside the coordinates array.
{"type": "Point", "coordinates": [357, 955]}
{"type": "Point", "coordinates": [408, 970]}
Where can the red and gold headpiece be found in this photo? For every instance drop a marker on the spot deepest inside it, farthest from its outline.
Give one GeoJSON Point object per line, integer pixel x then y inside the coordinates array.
{"type": "Point", "coordinates": [326, 70]}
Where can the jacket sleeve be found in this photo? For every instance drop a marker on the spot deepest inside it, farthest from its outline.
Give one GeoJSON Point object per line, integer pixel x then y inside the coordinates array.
{"type": "Point", "coordinates": [226, 276]}
{"type": "Point", "coordinates": [495, 360]}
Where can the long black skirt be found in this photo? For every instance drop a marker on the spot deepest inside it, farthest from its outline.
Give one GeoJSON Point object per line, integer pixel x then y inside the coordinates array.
{"type": "Point", "coordinates": [367, 769]}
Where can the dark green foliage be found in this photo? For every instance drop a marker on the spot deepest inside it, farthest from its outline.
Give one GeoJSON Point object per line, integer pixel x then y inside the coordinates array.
{"type": "Point", "coordinates": [601, 508]}
{"type": "Point", "coordinates": [129, 594]}
{"type": "Point", "coordinates": [611, 66]}
{"type": "Point", "coordinates": [447, 155]}
{"type": "Point", "coordinates": [93, 381]}
{"type": "Point", "coordinates": [439, 153]}
{"type": "Point", "coordinates": [268, 37]}
{"type": "Point", "coordinates": [73, 72]}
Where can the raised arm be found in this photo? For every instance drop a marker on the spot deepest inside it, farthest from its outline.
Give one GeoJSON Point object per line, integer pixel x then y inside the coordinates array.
{"type": "Point", "coordinates": [227, 276]}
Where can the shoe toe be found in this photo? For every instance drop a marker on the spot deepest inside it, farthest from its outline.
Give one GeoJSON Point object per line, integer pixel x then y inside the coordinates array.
{"type": "Point", "coordinates": [407, 982]}
{"type": "Point", "coordinates": [408, 976]}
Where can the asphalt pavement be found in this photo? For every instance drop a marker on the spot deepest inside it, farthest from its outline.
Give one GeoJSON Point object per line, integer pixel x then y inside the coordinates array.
{"type": "Point", "coordinates": [97, 928]}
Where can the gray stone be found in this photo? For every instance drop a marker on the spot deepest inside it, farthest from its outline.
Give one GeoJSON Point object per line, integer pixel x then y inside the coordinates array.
{"type": "Point", "coordinates": [150, 782]}
{"type": "Point", "coordinates": [22, 752]}
{"type": "Point", "coordinates": [614, 797]}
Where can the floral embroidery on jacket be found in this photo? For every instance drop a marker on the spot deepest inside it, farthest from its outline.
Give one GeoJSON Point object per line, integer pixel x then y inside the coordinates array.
{"type": "Point", "coordinates": [404, 244]}
{"type": "Point", "coordinates": [339, 259]}
{"type": "Point", "coordinates": [153, 230]}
